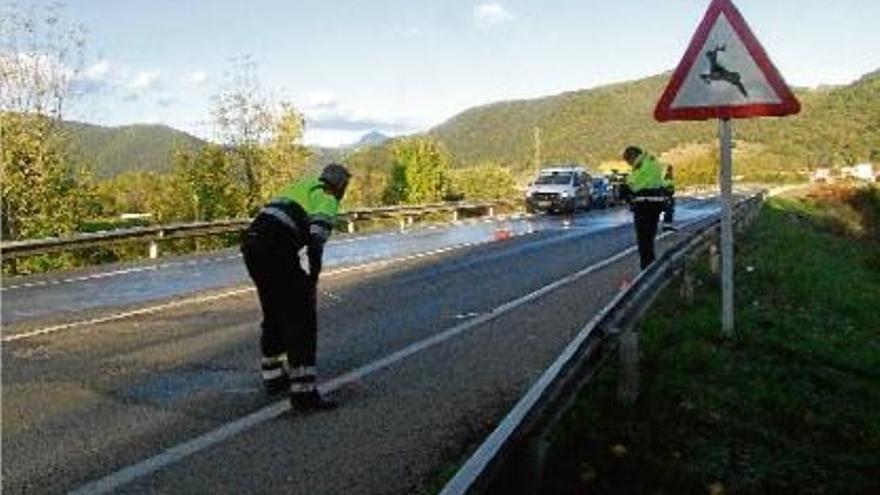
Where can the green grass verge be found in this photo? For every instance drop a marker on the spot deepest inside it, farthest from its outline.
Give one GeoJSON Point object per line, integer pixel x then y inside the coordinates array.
{"type": "Point", "coordinates": [789, 404]}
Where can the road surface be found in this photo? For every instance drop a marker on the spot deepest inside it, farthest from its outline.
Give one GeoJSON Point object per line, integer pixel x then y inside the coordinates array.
{"type": "Point", "coordinates": [424, 352]}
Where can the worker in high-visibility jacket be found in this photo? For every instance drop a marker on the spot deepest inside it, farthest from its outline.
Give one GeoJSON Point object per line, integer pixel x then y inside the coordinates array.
{"type": "Point", "coordinates": [649, 195]}
{"type": "Point", "coordinates": [299, 221]}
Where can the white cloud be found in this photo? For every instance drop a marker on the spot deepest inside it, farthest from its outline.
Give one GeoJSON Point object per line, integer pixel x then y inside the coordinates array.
{"type": "Point", "coordinates": [198, 77]}
{"type": "Point", "coordinates": [99, 71]}
{"type": "Point", "coordinates": [325, 113]}
{"type": "Point", "coordinates": [330, 138]}
{"type": "Point", "coordinates": [488, 15]}
{"type": "Point", "coordinates": [144, 81]}
{"type": "Point", "coordinates": [318, 100]}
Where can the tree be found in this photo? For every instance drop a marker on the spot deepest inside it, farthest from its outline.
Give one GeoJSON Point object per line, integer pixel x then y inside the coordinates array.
{"type": "Point", "coordinates": [264, 143]}
{"type": "Point", "coordinates": [43, 194]}
{"type": "Point", "coordinates": [42, 53]}
{"type": "Point", "coordinates": [244, 119]}
{"type": "Point", "coordinates": [421, 170]}
{"type": "Point", "coordinates": [370, 177]}
{"type": "Point", "coordinates": [284, 157]}
{"type": "Point", "coordinates": [485, 181]}
{"type": "Point", "coordinates": [205, 187]}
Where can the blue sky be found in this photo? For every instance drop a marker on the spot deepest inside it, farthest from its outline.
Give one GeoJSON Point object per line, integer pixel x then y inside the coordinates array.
{"type": "Point", "coordinates": [402, 66]}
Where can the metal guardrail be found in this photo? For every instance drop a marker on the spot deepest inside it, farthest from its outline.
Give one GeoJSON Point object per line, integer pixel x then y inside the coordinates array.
{"type": "Point", "coordinates": [158, 233]}
{"type": "Point", "coordinates": [155, 234]}
{"type": "Point", "coordinates": [510, 460]}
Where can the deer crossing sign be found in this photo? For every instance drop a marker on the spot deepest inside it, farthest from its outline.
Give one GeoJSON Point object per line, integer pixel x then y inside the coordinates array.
{"type": "Point", "coordinates": [725, 73]}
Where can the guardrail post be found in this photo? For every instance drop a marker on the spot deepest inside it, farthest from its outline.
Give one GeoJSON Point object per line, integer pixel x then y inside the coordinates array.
{"type": "Point", "coordinates": [535, 457]}
{"type": "Point", "coordinates": [491, 211]}
{"type": "Point", "coordinates": [687, 283]}
{"type": "Point", "coordinates": [713, 258]}
{"type": "Point", "coordinates": [628, 385]}
{"type": "Point", "coordinates": [351, 228]}
{"type": "Point", "coordinates": [454, 215]}
{"type": "Point", "coordinates": [154, 245]}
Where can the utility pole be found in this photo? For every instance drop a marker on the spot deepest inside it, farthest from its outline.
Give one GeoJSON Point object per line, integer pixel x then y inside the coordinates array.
{"type": "Point", "coordinates": [537, 134]}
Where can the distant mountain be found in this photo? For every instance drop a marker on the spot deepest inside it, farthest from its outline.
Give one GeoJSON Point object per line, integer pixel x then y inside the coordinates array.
{"type": "Point", "coordinates": [140, 147]}
{"type": "Point", "coordinates": [371, 138]}
{"type": "Point", "coordinates": [322, 155]}
{"type": "Point", "coordinates": [837, 125]}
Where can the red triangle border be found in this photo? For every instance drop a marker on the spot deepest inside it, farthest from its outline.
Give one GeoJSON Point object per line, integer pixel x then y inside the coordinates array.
{"type": "Point", "coordinates": [788, 105]}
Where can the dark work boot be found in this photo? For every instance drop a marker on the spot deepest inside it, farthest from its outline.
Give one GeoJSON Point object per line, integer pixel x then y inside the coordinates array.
{"type": "Point", "coordinates": [304, 394]}
{"type": "Point", "coordinates": [276, 379]}
{"type": "Point", "coordinates": [311, 401]}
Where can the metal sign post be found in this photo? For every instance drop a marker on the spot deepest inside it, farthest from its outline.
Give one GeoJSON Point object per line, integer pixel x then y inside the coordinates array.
{"type": "Point", "coordinates": [725, 74]}
{"type": "Point", "coordinates": [726, 179]}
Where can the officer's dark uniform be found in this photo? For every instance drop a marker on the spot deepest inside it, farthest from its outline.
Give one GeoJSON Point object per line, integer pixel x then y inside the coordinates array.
{"type": "Point", "coordinates": [649, 197]}
{"type": "Point", "coordinates": [299, 219]}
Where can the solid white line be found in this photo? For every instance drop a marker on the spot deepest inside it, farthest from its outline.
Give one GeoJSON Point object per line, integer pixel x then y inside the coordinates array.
{"type": "Point", "coordinates": [119, 316]}
{"type": "Point", "coordinates": [370, 266]}
{"type": "Point", "coordinates": [202, 442]}
{"type": "Point", "coordinates": [171, 264]}
{"type": "Point", "coordinates": [114, 273]}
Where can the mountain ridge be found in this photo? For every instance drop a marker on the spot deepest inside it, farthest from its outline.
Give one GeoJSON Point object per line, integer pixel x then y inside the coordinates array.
{"type": "Point", "coordinates": [837, 125]}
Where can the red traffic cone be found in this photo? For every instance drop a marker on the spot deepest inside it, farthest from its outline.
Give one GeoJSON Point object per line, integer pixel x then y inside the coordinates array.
{"type": "Point", "coordinates": [502, 234]}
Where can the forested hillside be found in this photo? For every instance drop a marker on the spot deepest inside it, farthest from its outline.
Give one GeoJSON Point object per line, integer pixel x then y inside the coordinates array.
{"type": "Point", "coordinates": [107, 151]}
{"type": "Point", "coordinates": [837, 126]}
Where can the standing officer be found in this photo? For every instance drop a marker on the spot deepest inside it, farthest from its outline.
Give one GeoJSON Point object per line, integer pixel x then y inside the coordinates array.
{"type": "Point", "coordinates": [649, 196]}
{"type": "Point", "coordinates": [299, 219]}
{"type": "Point", "coordinates": [669, 207]}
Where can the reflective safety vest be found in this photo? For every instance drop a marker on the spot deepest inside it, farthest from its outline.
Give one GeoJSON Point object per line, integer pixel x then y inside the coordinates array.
{"type": "Point", "coordinates": [303, 212]}
{"type": "Point", "coordinates": [646, 179]}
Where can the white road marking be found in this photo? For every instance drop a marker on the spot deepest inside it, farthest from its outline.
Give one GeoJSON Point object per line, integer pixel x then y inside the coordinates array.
{"type": "Point", "coordinates": [368, 267]}
{"type": "Point", "coordinates": [179, 452]}
{"type": "Point", "coordinates": [125, 271]}
{"type": "Point", "coordinates": [115, 273]}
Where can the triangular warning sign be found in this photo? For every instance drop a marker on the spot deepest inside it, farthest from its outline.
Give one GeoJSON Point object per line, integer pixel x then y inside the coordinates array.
{"type": "Point", "coordinates": [725, 74]}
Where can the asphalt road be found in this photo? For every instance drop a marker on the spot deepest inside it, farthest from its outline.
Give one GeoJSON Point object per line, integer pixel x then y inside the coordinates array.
{"type": "Point", "coordinates": [425, 355]}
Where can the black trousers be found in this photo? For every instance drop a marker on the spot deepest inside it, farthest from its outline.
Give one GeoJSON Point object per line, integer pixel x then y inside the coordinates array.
{"type": "Point", "coordinates": [646, 216]}
{"type": "Point", "coordinates": [287, 298]}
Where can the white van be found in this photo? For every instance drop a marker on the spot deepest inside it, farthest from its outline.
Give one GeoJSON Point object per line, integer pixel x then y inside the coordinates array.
{"type": "Point", "coordinates": [561, 189]}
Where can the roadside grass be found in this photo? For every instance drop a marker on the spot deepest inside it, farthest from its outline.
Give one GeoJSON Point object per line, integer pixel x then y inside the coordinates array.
{"type": "Point", "coordinates": [789, 404]}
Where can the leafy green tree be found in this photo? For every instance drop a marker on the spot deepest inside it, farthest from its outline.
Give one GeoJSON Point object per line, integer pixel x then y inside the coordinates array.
{"type": "Point", "coordinates": [421, 170]}
{"type": "Point", "coordinates": [370, 168]}
{"type": "Point", "coordinates": [205, 187]}
{"type": "Point", "coordinates": [265, 145]}
{"type": "Point", "coordinates": [244, 119]}
{"type": "Point", "coordinates": [42, 193]}
{"type": "Point", "coordinates": [40, 52]}
{"type": "Point", "coordinates": [284, 157]}
{"type": "Point", "coordinates": [485, 181]}
{"type": "Point", "coordinates": [135, 192]}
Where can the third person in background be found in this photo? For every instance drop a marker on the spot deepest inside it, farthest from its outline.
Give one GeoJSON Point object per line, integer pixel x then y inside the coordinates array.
{"type": "Point", "coordinates": [649, 193]}
{"type": "Point", "coordinates": [669, 208]}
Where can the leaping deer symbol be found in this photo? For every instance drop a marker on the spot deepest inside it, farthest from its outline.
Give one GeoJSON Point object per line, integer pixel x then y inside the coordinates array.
{"type": "Point", "coordinates": [718, 72]}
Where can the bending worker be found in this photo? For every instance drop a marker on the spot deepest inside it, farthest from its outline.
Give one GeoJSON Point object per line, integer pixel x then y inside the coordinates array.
{"type": "Point", "coordinates": [649, 195]}
{"type": "Point", "coordinates": [299, 219]}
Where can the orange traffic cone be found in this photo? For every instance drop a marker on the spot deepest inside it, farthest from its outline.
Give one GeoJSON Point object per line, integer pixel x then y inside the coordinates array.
{"type": "Point", "coordinates": [502, 234]}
